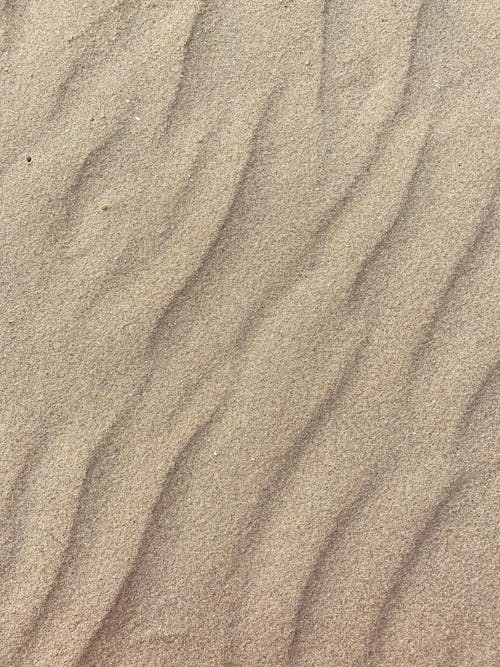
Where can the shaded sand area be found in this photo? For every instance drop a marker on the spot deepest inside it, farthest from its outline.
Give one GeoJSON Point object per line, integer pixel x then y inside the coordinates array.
{"type": "Point", "coordinates": [249, 333]}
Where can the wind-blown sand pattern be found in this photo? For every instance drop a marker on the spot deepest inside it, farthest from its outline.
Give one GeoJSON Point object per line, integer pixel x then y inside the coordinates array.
{"type": "Point", "coordinates": [249, 371]}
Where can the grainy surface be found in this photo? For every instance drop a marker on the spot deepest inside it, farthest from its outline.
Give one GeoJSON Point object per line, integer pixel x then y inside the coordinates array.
{"type": "Point", "coordinates": [249, 327]}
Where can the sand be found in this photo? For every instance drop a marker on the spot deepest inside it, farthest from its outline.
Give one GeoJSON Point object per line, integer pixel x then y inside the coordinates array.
{"type": "Point", "coordinates": [249, 387]}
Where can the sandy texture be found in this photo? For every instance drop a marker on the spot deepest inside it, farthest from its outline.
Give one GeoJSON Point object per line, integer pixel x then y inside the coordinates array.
{"type": "Point", "coordinates": [249, 331]}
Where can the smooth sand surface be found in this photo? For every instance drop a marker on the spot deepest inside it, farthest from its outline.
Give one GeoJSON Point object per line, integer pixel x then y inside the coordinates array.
{"type": "Point", "coordinates": [249, 331]}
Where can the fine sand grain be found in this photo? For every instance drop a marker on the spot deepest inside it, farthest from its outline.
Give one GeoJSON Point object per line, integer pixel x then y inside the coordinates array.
{"type": "Point", "coordinates": [249, 378]}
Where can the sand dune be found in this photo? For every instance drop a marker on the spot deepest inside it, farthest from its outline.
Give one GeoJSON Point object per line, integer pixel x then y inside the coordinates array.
{"type": "Point", "coordinates": [249, 370]}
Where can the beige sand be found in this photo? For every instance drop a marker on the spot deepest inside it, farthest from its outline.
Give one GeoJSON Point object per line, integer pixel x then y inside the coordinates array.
{"type": "Point", "coordinates": [249, 276]}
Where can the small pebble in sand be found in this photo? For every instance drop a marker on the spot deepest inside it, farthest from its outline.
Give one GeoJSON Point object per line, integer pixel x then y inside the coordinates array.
{"type": "Point", "coordinates": [28, 159]}
{"type": "Point", "coordinates": [104, 207]}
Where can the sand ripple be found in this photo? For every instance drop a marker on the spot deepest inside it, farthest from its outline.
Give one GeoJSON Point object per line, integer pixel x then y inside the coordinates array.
{"type": "Point", "coordinates": [249, 369]}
